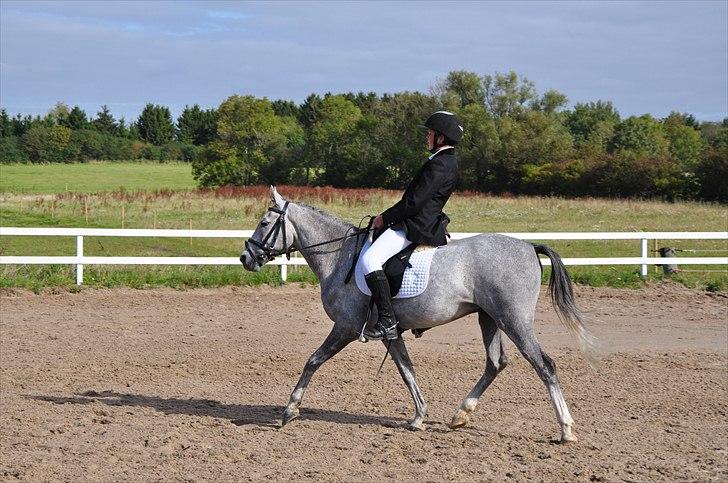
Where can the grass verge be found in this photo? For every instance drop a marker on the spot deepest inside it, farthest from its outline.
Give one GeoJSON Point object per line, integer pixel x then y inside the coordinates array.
{"type": "Point", "coordinates": [240, 208]}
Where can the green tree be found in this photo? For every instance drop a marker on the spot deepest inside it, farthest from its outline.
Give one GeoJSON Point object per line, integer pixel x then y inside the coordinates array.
{"type": "Point", "coordinates": [535, 139]}
{"type": "Point", "coordinates": [308, 112]}
{"type": "Point", "coordinates": [250, 139]}
{"type": "Point", "coordinates": [686, 145]}
{"type": "Point", "coordinates": [711, 173]}
{"type": "Point", "coordinates": [643, 135]}
{"type": "Point", "coordinates": [58, 115]}
{"type": "Point", "coordinates": [122, 130]}
{"type": "Point", "coordinates": [715, 133]}
{"type": "Point", "coordinates": [76, 119]}
{"type": "Point", "coordinates": [155, 124]}
{"type": "Point", "coordinates": [104, 121]}
{"type": "Point", "coordinates": [196, 126]}
{"type": "Point", "coordinates": [21, 124]}
{"type": "Point", "coordinates": [507, 94]}
{"type": "Point", "coordinates": [592, 125]}
{"type": "Point", "coordinates": [44, 144]}
{"type": "Point", "coordinates": [459, 89]}
{"type": "Point", "coordinates": [10, 150]}
{"type": "Point", "coordinates": [367, 102]}
{"type": "Point", "coordinates": [333, 139]}
{"type": "Point", "coordinates": [478, 149]}
{"type": "Point", "coordinates": [6, 126]}
{"type": "Point", "coordinates": [285, 108]}
{"type": "Point", "coordinates": [550, 102]}
{"type": "Point", "coordinates": [398, 135]}
{"type": "Point", "coordinates": [681, 119]}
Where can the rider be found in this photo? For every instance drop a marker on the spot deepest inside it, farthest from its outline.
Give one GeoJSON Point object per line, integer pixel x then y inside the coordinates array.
{"type": "Point", "coordinates": [416, 218]}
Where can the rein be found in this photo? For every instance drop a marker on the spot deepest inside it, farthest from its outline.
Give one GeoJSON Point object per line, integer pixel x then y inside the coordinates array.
{"type": "Point", "coordinates": [280, 226]}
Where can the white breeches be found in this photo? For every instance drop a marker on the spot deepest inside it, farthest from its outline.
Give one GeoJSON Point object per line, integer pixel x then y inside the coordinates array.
{"type": "Point", "coordinates": [385, 247]}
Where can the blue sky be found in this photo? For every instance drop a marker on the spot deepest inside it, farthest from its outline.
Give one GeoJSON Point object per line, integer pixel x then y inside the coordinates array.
{"type": "Point", "coordinates": [645, 57]}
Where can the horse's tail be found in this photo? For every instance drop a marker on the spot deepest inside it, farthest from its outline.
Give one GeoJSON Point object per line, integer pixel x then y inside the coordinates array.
{"type": "Point", "coordinates": [562, 297]}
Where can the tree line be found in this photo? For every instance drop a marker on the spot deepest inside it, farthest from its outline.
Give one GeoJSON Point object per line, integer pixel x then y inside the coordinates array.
{"type": "Point", "coordinates": [516, 141]}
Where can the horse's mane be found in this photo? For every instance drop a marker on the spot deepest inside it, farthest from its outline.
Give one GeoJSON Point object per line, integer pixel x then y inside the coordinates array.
{"type": "Point", "coordinates": [328, 216]}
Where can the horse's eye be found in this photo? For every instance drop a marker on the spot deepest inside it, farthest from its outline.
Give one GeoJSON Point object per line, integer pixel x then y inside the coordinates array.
{"type": "Point", "coordinates": [264, 223]}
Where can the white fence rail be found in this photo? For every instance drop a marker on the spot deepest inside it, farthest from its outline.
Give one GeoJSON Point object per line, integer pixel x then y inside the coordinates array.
{"type": "Point", "coordinates": [80, 260]}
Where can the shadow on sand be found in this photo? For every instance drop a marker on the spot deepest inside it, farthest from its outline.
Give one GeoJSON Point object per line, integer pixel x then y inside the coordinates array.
{"type": "Point", "coordinates": [239, 414]}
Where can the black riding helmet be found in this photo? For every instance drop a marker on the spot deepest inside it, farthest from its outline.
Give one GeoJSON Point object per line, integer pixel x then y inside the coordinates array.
{"type": "Point", "coordinates": [445, 123]}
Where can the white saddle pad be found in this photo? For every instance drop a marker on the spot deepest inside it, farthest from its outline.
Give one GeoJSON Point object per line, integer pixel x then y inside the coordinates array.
{"type": "Point", "coordinates": [415, 279]}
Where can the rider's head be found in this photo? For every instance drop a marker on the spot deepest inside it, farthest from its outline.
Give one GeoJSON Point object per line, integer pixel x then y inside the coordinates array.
{"type": "Point", "coordinates": [443, 129]}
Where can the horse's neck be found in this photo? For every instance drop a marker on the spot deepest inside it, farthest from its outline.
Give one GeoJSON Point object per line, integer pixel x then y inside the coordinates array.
{"type": "Point", "coordinates": [314, 227]}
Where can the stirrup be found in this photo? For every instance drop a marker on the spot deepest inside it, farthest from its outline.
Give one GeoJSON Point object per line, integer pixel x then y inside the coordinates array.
{"type": "Point", "coordinates": [379, 332]}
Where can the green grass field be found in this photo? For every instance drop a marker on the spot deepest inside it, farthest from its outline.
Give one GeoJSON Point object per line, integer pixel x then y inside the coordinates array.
{"type": "Point", "coordinates": [94, 177]}
{"type": "Point", "coordinates": [146, 201]}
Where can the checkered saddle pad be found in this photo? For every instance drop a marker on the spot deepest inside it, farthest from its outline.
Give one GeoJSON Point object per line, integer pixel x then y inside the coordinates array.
{"type": "Point", "coordinates": [415, 279]}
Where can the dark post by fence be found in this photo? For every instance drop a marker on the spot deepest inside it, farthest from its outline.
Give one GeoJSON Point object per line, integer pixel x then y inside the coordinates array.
{"type": "Point", "coordinates": [667, 252]}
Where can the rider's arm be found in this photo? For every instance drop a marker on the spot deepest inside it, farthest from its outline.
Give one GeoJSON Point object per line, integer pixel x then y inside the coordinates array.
{"type": "Point", "coordinates": [436, 175]}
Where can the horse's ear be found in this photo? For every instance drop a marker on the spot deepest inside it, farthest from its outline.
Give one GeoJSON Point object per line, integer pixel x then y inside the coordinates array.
{"type": "Point", "coordinates": [276, 198]}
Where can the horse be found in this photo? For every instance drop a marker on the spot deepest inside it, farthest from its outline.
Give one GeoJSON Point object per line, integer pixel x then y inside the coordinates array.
{"type": "Point", "coordinates": [497, 276]}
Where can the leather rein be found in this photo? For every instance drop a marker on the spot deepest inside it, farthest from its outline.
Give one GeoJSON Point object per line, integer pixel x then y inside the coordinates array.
{"type": "Point", "coordinates": [267, 244]}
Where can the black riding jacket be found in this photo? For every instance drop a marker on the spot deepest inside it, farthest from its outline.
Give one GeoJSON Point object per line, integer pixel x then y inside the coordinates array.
{"type": "Point", "coordinates": [419, 211]}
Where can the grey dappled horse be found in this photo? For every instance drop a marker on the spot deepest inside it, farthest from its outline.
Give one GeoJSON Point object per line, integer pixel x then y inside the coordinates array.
{"type": "Point", "coordinates": [494, 275]}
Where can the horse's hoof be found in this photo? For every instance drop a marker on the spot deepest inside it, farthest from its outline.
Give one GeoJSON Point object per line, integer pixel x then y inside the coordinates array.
{"type": "Point", "coordinates": [289, 415]}
{"type": "Point", "coordinates": [568, 437]}
{"type": "Point", "coordinates": [415, 426]}
{"type": "Point", "coordinates": [460, 419]}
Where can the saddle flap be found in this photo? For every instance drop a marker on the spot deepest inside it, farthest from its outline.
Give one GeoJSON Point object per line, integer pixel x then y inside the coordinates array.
{"type": "Point", "coordinates": [395, 267]}
{"type": "Point", "coordinates": [412, 262]}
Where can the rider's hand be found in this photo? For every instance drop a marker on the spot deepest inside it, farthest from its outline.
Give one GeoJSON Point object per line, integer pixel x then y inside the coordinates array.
{"type": "Point", "coordinates": [378, 223]}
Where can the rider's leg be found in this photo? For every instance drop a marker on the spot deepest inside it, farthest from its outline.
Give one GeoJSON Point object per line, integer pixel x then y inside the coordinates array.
{"type": "Point", "coordinates": [387, 245]}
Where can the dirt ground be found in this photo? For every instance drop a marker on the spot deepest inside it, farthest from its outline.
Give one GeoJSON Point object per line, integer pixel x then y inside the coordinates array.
{"type": "Point", "coordinates": [190, 385]}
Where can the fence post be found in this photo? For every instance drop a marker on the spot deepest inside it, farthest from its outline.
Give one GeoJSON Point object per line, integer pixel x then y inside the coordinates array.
{"type": "Point", "coordinates": [284, 272]}
{"type": "Point", "coordinates": [79, 253]}
{"type": "Point", "coordinates": [644, 257]}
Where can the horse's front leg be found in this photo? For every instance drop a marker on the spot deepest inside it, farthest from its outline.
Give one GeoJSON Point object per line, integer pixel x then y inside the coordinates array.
{"type": "Point", "coordinates": [401, 358]}
{"type": "Point", "coordinates": [335, 341]}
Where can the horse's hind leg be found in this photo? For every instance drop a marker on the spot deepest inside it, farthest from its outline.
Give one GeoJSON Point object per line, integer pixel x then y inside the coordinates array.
{"type": "Point", "coordinates": [495, 361]}
{"type": "Point", "coordinates": [521, 333]}
{"type": "Point", "coordinates": [335, 341]}
{"type": "Point", "coordinates": [401, 358]}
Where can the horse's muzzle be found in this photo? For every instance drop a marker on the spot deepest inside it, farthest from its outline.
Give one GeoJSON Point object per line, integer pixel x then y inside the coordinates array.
{"type": "Point", "coordinates": [249, 262]}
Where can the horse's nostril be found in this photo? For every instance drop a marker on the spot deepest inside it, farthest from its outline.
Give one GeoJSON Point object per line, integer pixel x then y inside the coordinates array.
{"type": "Point", "coordinates": [242, 258]}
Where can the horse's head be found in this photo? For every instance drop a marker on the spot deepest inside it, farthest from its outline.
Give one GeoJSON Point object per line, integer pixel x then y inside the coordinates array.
{"type": "Point", "coordinates": [274, 235]}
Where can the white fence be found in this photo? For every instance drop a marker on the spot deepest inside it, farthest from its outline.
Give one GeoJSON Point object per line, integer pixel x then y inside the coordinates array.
{"type": "Point", "coordinates": [80, 260]}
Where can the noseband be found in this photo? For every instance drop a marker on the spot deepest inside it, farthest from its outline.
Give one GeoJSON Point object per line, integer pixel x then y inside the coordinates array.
{"type": "Point", "coordinates": [268, 243]}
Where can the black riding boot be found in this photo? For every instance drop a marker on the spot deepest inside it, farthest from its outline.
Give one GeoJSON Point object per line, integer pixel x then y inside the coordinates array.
{"type": "Point", "coordinates": [386, 325]}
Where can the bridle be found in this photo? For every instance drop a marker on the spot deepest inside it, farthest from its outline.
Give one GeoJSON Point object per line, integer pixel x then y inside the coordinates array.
{"type": "Point", "coordinates": [267, 244]}
{"type": "Point", "coordinates": [279, 226]}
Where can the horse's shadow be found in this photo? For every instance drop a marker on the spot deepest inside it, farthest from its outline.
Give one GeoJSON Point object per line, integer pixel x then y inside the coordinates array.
{"type": "Point", "coordinates": [262, 415]}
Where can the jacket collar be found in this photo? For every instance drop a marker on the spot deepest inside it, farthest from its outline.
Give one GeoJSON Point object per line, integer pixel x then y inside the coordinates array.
{"type": "Point", "coordinates": [442, 148]}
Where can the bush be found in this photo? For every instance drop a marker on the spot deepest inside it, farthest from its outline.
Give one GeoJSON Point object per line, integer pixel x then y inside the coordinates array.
{"type": "Point", "coordinates": [562, 178]}
{"type": "Point", "coordinates": [48, 144]}
{"type": "Point", "coordinates": [151, 153]}
{"type": "Point", "coordinates": [94, 145]}
{"type": "Point", "coordinates": [711, 174]}
{"type": "Point", "coordinates": [10, 151]}
{"type": "Point", "coordinates": [191, 153]}
{"type": "Point", "coordinates": [633, 175]}
{"type": "Point", "coordinates": [213, 170]}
